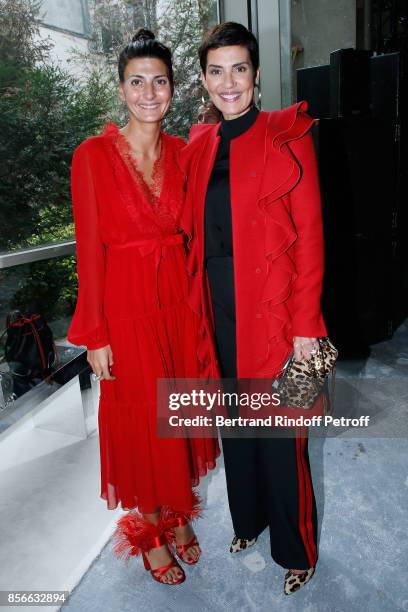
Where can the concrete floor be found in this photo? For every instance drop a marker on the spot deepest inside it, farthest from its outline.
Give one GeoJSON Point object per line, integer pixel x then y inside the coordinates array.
{"type": "Point", "coordinates": [52, 522]}
{"type": "Point", "coordinates": [55, 531]}
{"type": "Point", "coordinates": [361, 487]}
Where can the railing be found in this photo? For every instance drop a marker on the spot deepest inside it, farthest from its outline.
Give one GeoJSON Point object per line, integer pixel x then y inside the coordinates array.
{"type": "Point", "coordinates": [72, 359]}
{"type": "Point", "coordinates": [37, 253]}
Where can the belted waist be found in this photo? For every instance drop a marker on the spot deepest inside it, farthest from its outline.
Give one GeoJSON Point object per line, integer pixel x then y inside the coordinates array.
{"type": "Point", "coordinates": [148, 246]}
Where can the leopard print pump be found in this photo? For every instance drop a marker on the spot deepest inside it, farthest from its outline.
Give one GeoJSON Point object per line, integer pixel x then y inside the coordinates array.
{"type": "Point", "coordinates": [239, 544]}
{"type": "Point", "coordinates": [294, 582]}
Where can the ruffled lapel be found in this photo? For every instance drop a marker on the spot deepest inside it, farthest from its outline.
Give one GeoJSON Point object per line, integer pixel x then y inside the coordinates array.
{"type": "Point", "coordinates": [281, 169]}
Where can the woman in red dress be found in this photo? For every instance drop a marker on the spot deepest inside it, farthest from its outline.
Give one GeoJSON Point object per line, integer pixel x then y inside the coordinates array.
{"type": "Point", "coordinates": [132, 313]}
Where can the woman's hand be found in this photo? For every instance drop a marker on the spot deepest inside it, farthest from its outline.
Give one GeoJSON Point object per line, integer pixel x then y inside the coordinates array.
{"type": "Point", "coordinates": [304, 347]}
{"type": "Point", "coordinates": [101, 361]}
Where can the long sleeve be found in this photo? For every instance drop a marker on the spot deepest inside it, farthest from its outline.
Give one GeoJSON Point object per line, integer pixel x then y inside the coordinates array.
{"type": "Point", "coordinates": [88, 326]}
{"type": "Point", "coordinates": [305, 200]}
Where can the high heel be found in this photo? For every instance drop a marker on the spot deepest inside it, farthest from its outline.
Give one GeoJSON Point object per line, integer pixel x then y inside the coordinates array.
{"type": "Point", "coordinates": [294, 582]}
{"type": "Point", "coordinates": [134, 535]}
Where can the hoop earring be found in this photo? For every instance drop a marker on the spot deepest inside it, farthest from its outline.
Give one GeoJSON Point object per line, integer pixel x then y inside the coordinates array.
{"type": "Point", "coordinates": [258, 100]}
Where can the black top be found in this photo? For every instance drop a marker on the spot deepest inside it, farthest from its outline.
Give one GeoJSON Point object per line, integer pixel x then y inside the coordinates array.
{"type": "Point", "coordinates": [218, 222]}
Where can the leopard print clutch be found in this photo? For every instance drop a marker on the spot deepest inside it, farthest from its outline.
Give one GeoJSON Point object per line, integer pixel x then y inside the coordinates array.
{"type": "Point", "coordinates": [303, 381]}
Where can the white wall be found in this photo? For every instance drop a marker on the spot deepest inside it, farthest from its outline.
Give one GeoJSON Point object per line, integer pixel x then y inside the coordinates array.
{"type": "Point", "coordinates": [64, 43]}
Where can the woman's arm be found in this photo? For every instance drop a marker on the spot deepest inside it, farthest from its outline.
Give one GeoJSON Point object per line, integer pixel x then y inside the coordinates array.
{"type": "Point", "coordinates": [308, 250]}
{"type": "Point", "coordinates": [88, 326]}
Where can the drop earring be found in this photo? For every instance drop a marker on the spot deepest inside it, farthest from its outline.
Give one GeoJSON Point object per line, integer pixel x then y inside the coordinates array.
{"type": "Point", "coordinates": [258, 100]}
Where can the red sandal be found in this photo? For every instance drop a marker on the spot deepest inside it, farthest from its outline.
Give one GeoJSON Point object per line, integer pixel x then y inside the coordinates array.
{"type": "Point", "coordinates": [135, 535]}
{"type": "Point", "coordinates": [158, 572]}
{"type": "Point", "coordinates": [179, 518]}
{"type": "Point", "coordinates": [181, 549]}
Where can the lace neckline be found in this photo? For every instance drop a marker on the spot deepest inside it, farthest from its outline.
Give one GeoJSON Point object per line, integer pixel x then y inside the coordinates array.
{"type": "Point", "coordinates": [152, 191]}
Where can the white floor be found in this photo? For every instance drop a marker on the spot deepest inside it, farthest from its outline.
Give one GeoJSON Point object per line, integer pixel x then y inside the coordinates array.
{"type": "Point", "coordinates": [52, 521]}
{"type": "Point", "coordinates": [53, 524]}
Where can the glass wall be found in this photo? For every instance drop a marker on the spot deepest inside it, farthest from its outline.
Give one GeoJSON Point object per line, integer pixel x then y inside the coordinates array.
{"type": "Point", "coordinates": [44, 114]}
{"type": "Point", "coordinates": [36, 304]}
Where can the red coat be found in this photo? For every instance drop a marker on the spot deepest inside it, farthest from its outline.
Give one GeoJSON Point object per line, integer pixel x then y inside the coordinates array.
{"type": "Point", "coordinates": [277, 236]}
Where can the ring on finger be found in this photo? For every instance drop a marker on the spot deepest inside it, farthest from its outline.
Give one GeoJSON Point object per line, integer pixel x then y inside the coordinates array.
{"type": "Point", "coordinates": [96, 376]}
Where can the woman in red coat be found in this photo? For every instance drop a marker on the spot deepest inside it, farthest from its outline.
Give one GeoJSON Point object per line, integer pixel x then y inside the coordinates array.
{"type": "Point", "coordinates": [133, 316]}
{"type": "Point", "coordinates": [253, 215]}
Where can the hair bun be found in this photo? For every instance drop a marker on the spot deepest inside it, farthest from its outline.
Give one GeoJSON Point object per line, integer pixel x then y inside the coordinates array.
{"type": "Point", "coordinates": [143, 34]}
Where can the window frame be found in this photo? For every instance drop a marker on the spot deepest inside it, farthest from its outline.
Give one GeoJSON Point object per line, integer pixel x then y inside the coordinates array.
{"type": "Point", "coordinates": [85, 20]}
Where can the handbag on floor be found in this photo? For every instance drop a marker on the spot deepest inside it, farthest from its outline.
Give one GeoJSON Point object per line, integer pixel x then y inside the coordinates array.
{"type": "Point", "coordinates": [302, 382]}
{"type": "Point", "coordinates": [29, 349]}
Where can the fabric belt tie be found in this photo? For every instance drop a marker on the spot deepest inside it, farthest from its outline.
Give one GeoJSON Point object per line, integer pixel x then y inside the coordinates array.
{"type": "Point", "coordinates": [155, 246]}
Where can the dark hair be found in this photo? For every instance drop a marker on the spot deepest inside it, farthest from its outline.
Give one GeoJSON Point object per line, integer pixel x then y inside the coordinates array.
{"type": "Point", "coordinates": [225, 35]}
{"type": "Point", "coordinates": [144, 44]}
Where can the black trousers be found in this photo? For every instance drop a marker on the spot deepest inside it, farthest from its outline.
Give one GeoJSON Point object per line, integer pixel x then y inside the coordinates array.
{"type": "Point", "coordinates": [269, 482]}
{"type": "Point", "coordinates": [269, 485]}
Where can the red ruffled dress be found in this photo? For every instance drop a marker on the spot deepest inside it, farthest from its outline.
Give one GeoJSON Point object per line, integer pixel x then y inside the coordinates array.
{"type": "Point", "coordinates": [133, 295]}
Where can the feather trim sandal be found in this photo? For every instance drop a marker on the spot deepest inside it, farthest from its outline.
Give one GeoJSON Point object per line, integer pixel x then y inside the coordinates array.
{"type": "Point", "coordinates": [135, 535]}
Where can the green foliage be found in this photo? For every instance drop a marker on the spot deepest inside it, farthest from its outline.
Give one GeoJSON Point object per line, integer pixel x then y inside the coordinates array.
{"type": "Point", "coordinates": [48, 287]}
{"type": "Point", "coordinates": [180, 24]}
{"type": "Point", "coordinates": [182, 27]}
{"type": "Point", "coordinates": [20, 43]}
{"type": "Point", "coordinates": [45, 113]}
{"type": "Point", "coordinates": [42, 119]}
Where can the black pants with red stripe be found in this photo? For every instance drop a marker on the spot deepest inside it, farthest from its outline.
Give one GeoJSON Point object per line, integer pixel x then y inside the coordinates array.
{"type": "Point", "coordinates": [268, 479]}
{"type": "Point", "coordinates": [269, 485]}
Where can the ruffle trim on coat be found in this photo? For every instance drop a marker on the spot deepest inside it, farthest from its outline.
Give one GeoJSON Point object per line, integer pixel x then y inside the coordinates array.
{"type": "Point", "coordinates": [281, 174]}
{"type": "Point", "coordinates": [198, 300]}
{"type": "Point", "coordinates": [199, 133]}
{"type": "Point", "coordinates": [282, 171]}
{"type": "Point", "coordinates": [198, 294]}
